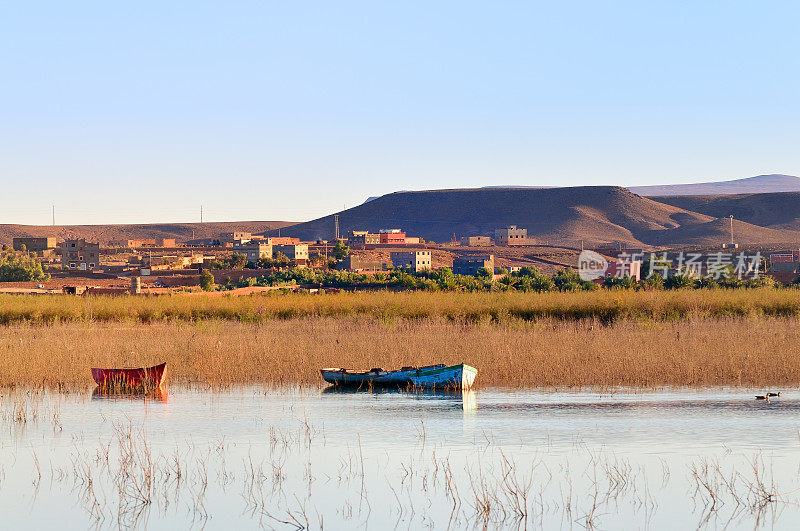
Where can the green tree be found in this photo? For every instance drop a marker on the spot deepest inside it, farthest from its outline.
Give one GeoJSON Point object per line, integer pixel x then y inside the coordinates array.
{"type": "Point", "coordinates": [238, 261]}
{"type": "Point", "coordinates": [484, 274]}
{"type": "Point", "coordinates": [568, 280]}
{"type": "Point", "coordinates": [206, 280]}
{"type": "Point", "coordinates": [706, 283]}
{"type": "Point", "coordinates": [654, 282]}
{"type": "Point", "coordinates": [542, 283]}
{"type": "Point", "coordinates": [679, 281]}
{"type": "Point", "coordinates": [20, 267]}
{"type": "Point", "coordinates": [446, 279]}
{"type": "Point", "coordinates": [280, 260]}
{"type": "Point", "coordinates": [658, 264]}
{"type": "Point", "coordinates": [340, 250]}
{"type": "Point", "coordinates": [762, 281]}
{"type": "Point", "coordinates": [615, 282]}
{"type": "Point", "coordinates": [528, 271]}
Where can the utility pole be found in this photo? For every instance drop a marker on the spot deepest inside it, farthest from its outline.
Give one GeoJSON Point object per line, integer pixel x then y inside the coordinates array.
{"type": "Point", "coordinates": [336, 226]}
{"type": "Point", "coordinates": [731, 230]}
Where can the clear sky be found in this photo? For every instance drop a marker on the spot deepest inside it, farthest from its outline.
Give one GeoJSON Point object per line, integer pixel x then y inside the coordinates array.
{"type": "Point", "coordinates": [126, 112]}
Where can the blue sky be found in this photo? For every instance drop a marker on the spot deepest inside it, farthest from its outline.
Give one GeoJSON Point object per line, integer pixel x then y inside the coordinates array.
{"type": "Point", "coordinates": [126, 112]}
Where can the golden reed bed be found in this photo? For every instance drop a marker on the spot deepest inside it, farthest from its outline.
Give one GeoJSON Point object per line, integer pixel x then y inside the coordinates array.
{"type": "Point", "coordinates": [699, 351]}
{"type": "Point", "coordinates": [605, 305]}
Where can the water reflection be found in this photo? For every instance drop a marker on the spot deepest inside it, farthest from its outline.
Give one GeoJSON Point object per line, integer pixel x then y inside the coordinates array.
{"type": "Point", "coordinates": [349, 458]}
{"type": "Point", "coordinates": [105, 393]}
{"type": "Point", "coordinates": [467, 399]}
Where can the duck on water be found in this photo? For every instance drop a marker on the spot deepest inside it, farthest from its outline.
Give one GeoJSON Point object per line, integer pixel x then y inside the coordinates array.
{"type": "Point", "coordinates": [767, 396]}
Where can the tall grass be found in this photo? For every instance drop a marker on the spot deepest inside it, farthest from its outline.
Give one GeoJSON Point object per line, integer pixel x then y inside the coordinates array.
{"type": "Point", "coordinates": [604, 305]}
{"type": "Point", "coordinates": [700, 351]}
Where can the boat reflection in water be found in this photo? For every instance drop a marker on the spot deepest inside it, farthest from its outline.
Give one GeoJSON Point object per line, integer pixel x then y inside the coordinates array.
{"type": "Point", "coordinates": [465, 399]}
{"type": "Point", "coordinates": [107, 393]}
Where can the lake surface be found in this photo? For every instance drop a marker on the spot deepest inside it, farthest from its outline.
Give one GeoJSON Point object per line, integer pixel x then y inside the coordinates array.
{"type": "Point", "coordinates": [251, 458]}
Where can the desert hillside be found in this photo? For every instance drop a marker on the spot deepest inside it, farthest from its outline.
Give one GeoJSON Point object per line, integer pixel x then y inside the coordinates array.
{"type": "Point", "coordinates": [773, 210]}
{"type": "Point", "coordinates": [106, 233]}
{"type": "Point", "coordinates": [594, 214]}
{"type": "Point", "coordinates": [566, 216]}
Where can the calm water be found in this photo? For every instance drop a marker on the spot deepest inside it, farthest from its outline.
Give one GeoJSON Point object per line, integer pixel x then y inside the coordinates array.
{"type": "Point", "coordinates": [490, 459]}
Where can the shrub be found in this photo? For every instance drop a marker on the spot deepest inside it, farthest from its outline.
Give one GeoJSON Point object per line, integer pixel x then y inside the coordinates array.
{"type": "Point", "coordinates": [206, 281]}
{"type": "Point", "coordinates": [20, 267]}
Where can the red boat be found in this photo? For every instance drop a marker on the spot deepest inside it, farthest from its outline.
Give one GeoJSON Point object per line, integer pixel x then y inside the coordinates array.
{"type": "Point", "coordinates": [144, 378]}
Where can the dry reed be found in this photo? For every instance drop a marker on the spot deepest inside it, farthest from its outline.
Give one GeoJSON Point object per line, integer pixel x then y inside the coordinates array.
{"type": "Point", "coordinates": [604, 305]}
{"type": "Point", "coordinates": [546, 353]}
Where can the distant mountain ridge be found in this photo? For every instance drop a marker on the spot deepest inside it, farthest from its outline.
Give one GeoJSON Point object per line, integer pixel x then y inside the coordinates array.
{"type": "Point", "coordinates": [749, 185]}
{"type": "Point", "coordinates": [107, 233]}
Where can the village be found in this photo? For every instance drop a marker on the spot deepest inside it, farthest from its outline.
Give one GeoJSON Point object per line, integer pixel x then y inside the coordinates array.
{"type": "Point", "coordinates": [242, 263]}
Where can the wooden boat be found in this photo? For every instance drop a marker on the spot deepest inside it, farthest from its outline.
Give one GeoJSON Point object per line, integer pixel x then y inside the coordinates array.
{"type": "Point", "coordinates": [143, 378]}
{"type": "Point", "coordinates": [430, 377]}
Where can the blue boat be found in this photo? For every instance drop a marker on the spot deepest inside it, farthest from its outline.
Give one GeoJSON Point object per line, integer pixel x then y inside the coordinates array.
{"type": "Point", "coordinates": [438, 376]}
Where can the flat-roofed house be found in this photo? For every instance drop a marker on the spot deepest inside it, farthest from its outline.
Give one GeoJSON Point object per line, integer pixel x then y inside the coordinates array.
{"type": "Point", "coordinates": [254, 251]}
{"type": "Point", "coordinates": [415, 260]}
{"type": "Point", "coordinates": [360, 238]}
{"type": "Point", "coordinates": [298, 252]}
{"type": "Point", "coordinates": [476, 241]}
{"type": "Point", "coordinates": [135, 244]}
{"type": "Point", "coordinates": [470, 264]}
{"type": "Point", "coordinates": [235, 237]}
{"type": "Point", "coordinates": [392, 236]}
{"type": "Point", "coordinates": [283, 240]}
{"type": "Point", "coordinates": [34, 245]}
{"type": "Point", "coordinates": [80, 255]}
{"type": "Point", "coordinates": [511, 235]}
{"type": "Point", "coordinates": [353, 262]}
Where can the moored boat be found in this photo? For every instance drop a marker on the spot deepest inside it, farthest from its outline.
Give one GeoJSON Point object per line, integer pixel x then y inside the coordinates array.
{"type": "Point", "coordinates": [142, 378]}
{"type": "Point", "coordinates": [438, 376]}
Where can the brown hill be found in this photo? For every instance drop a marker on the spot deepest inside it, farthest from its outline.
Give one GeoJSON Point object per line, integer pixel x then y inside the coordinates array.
{"type": "Point", "coordinates": [594, 214]}
{"type": "Point", "coordinates": [718, 231]}
{"type": "Point", "coordinates": [106, 233]}
{"type": "Point", "coordinates": [774, 210]}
